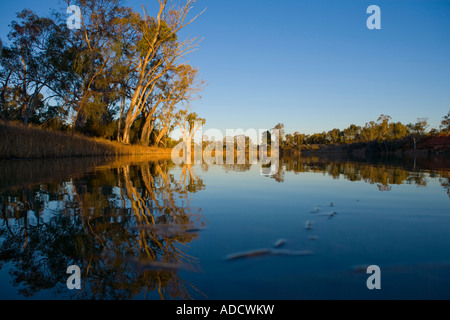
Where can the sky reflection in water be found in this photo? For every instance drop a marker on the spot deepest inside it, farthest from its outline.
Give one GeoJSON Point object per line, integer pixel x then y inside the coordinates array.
{"type": "Point", "coordinates": [150, 229]}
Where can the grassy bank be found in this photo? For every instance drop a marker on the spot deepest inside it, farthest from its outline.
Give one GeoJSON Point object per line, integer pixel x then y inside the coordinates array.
{"type": "Point", "coordinates": [25, 142]}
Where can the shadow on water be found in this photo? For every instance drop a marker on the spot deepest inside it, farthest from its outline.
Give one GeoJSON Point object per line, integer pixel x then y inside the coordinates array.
{"type": "Point", "coordinates": [125, 225]}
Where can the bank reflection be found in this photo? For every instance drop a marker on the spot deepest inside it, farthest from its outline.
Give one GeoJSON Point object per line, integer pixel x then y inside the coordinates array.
{"type": "Point", "coordinates": [382, 172]}
{"type": "Point", "coordinates": [125, 226]}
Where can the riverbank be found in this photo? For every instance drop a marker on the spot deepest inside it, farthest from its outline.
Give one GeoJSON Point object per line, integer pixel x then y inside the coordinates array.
{"type": "Point", "coordinates": [28, 142]}
{"type": "Point", "coordinates": [428, 145]}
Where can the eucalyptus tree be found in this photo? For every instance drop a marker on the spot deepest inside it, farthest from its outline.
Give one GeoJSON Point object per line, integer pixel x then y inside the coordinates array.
{"type": "Point", "coordinates": [31, 65]}
{"type": "Point", "coordinates": [178, 89]}
{"type": "Point", "coordinates": [417, 130]}
{"type": "Point", "coordinates": [98, 46]}
{"type": "Point", "coordinates": [188, 123]}
{"type": "Point", "coordinates": [351, 134]}
{"type": "Point", "coordinates": [157, 52]}
{"type": "Point", "coordinates": [445, 123]}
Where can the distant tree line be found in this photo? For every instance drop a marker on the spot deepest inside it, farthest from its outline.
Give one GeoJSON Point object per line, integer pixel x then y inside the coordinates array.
{"type": "Point", "coordinates": [122, 75]}
{"type": "Point", "coordinates": [382, 132]}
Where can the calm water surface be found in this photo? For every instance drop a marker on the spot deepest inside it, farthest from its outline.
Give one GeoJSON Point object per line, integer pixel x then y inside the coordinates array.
{"type": "Point", "coordinates": [143, 229]}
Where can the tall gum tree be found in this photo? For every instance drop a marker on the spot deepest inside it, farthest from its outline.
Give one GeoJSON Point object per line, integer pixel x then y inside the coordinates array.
{"type": "Point", "coordinates": [96, 46]}
{"type": "Point", "coordinates": [180, 88]}
{"type": "Point", "coordinates": [157, 52]}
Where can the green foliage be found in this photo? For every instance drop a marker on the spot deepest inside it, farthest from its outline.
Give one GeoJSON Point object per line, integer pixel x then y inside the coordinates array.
{"type": "Point", "coordinates": [382, 134]}
{"type": "Point", "coordinates": [445, 124]}
{"type": "Point", "coordinates": [84, 79]}
{"type": "Point", "coordinates": [419, 127]}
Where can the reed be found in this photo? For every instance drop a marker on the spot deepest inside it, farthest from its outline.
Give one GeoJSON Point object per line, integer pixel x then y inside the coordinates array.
{"type": "Point", "coordinates": [30, 142]}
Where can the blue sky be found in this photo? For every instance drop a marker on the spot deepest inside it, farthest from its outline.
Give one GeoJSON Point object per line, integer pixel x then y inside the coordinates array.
{"type": "Point", "coordinates": [312, 65]}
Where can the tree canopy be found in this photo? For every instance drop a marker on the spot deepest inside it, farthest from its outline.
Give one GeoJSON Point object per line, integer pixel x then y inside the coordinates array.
{"type": "Point", "coordinates": [122, 75]}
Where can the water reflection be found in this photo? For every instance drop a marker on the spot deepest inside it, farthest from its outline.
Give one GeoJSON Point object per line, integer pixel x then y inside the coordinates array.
{"type": "Point", "coordinates": [107, 223]}
{"type": "Point", "coordinates": [127, 222]}
{"type": "Point", "coordinates": [382, 172]}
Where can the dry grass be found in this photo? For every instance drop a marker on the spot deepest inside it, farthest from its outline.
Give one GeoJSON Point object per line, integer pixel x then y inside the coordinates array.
{"type": "Point", "coordinates": [28, 142]}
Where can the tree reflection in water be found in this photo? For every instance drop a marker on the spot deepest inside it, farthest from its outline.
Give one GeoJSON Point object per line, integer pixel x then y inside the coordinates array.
{"type": "Point", "coordinates": [127, 224]}
{"type": "Point", "coordinates": [107, 224]}
{"type": "Point", "coordinates": [383, 174]}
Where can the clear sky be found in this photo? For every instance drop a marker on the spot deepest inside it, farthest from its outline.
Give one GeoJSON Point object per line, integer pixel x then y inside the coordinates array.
{"type": "Point", "coordinates": [312, 65]}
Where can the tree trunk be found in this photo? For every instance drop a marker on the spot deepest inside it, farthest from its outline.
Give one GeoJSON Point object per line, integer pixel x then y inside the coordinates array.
{"type": "Point", "coordinates": [131, 114]}
{"type": "Point", "coordinates": [147, 129]}
{"type": "Point", "coordinates": [120, 119]}
{"type": "Point", "coordinates": [30, 106]}
{"type": "Point", "coordinates": [127, 130]}
{"type": "Point", "coordinates": [161, 135]}
{"type": "Point", "coordinates": [5, 115]}
{"type": "Point", "coordinates": [187, 152]}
